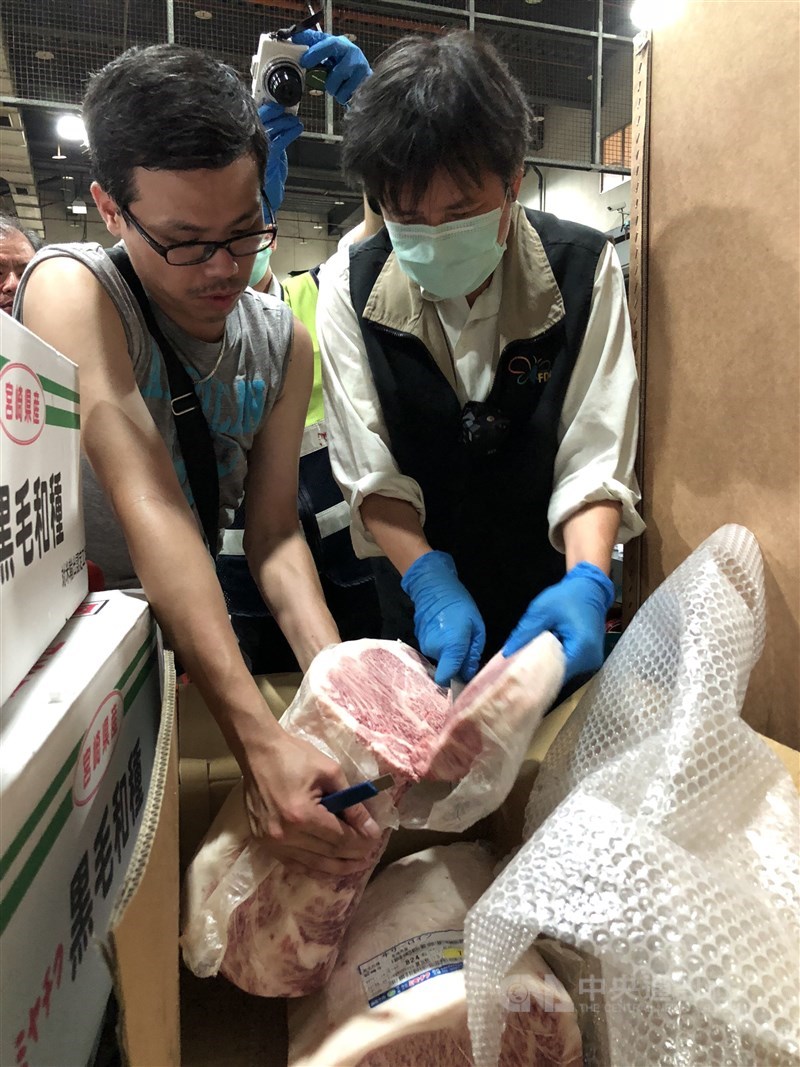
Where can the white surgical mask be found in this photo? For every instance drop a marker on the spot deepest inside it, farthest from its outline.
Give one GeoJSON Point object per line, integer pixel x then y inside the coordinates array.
{"type": "Point", "coordinates": [452, 259]}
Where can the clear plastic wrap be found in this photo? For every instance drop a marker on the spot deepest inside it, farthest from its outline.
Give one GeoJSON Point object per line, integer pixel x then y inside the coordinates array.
{"type": "Point", "coordinates": [662, 838]}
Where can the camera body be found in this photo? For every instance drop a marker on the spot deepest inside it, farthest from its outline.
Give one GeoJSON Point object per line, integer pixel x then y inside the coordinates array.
{"type": "Point", "coordinates": [277, 74]}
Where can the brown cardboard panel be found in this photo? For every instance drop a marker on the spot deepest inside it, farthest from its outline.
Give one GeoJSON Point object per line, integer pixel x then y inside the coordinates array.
{"type": "Point", "coordinates": [143, 936]}
{"type": "Point", "coordinates": [722, 395]}
{"type": "Point", "coordinates": [223, 1027]}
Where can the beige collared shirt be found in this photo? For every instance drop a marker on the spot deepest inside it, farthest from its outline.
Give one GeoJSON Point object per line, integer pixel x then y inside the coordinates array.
{"type": "Point", "coordinates": [598, 427]}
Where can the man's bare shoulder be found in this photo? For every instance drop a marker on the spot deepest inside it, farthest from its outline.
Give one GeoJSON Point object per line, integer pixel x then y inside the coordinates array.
{"type": "Point", "coordinates": [57, 266]}
{"type": "Point", "coordinates": [67, 305]}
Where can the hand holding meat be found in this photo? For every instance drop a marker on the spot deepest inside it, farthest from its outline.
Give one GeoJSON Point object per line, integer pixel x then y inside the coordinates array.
{"type": "Point", "coordinates": [283, 785]}
{"type": "Point", "coordinates": [447, 623]}
{"type": "Point", "coordinates": [575, 611]}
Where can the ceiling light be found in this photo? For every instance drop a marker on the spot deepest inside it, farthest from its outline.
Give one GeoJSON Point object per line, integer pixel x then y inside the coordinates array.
{"type": "Point", "coordinates": [317, 225]}
{"type": "Point", "coordinates": [78, 207]}
{"type": "Point", "coordinates": [71, 128]}
{"type": "Point", "coordinates": [656, 14]}
{"type": "Point", "coordinates": [201, 13]}
{"type": "Point", "coordinates": [44, 54]}
{"type": "Point", "coordinates": [59, 154]}
{"type": "Point", "coordinates": [339, 203]}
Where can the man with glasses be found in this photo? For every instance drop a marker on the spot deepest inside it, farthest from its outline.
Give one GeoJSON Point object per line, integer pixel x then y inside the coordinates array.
{"type": "Point", "coordinates": [478, 372]}
{"type": "Point", "coordinates": [178, 153]}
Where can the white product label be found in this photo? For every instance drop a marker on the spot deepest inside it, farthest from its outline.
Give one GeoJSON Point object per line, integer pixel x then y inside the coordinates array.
{"type": "Point", "coordinates": [410, 962]}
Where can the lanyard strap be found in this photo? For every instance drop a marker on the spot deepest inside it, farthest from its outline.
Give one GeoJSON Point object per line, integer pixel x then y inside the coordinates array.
{"type": "Point", "coordinates": [194, 436]}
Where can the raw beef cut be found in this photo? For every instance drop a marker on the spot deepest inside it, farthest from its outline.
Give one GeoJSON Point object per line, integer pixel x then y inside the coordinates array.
{"type": "Point", "coordinates": [373, 707]}
{"type": "Point", "coordinates": [373, 700]}
{"type": "Point", "coordinates": [280, 940]}
{"type": "Point", "coordinates": [485, 739]}
{"type": "Point", "coordinates": [409, 924]}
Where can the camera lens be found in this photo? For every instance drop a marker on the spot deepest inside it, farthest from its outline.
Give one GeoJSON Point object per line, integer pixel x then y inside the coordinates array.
{"type": "Point", "coordinates": [285, 85]}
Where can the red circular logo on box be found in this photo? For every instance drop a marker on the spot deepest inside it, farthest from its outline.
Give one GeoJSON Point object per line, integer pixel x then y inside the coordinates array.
{"type": "Point", "coordinates": [22, 406]}
{"type": "Point", "coordinates": [97, 748]}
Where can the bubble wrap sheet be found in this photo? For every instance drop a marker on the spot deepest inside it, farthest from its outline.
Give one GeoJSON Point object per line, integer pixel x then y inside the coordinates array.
{"type": "Point", "coordinates": [661, 838]}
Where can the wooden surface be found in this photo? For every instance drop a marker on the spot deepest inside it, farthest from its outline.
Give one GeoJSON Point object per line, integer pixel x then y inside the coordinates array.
{"type": "Point", "coordinates": [722, 386]}
{"type": "Point", "coordinates": [144, 926]}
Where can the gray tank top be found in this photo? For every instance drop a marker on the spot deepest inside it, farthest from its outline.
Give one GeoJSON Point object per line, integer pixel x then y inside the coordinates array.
{"type": "Point", "coordinates": [236, 400]}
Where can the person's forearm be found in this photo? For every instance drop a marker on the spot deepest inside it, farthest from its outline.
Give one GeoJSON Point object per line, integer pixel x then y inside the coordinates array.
{"type": "Point", "coordinates": [288, 580]}
{"type": "Point", "coordinates": [181, 586]}
{"type": "Point", "coordinates": [591, 533]}
{"type": "Point", "coordinates": [395, 526]}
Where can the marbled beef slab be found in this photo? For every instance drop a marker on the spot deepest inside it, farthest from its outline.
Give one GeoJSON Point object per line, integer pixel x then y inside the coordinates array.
{"type": "Point", "coordinates": [421, 897]}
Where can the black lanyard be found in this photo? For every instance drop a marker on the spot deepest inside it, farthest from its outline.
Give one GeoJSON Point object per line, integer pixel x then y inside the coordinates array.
{"type": "Point", "coordinates": [194, 436]}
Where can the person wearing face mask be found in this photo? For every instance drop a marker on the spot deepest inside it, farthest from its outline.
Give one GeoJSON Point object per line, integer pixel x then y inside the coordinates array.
{"type": "Point", "coordinates": [479, 378]}
{"type": "Point", "coordinates": [261, 277]}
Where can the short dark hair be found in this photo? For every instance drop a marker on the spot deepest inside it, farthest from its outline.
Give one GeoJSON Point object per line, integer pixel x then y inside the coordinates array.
{"type": "Point", "coordinates": [167, 107]}
{"type": "Point", "coordinates": [443, 102]}
{"type": "Point", "coordinates": [11, 222]}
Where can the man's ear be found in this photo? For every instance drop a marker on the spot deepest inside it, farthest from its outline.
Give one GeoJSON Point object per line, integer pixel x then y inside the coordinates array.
{"type": "Point", "coordinates": [516, 182]}
{"type": "Point", "coordinates": [107, 206]}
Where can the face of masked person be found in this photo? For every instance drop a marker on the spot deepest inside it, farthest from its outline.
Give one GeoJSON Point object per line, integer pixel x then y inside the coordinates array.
{"type": "Point", "coordinates": [451, 242]}
{"type": "Point", "coordinates": [260, 266]}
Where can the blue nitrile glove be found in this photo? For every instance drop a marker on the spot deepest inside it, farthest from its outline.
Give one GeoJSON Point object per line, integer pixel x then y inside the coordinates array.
{"type": "Point", "coordinates": [575, 611]}
{"type": "Point", "coordinates": [447, 622]}
{"type": "Point", "coordinates": [282, 128]}
{"type": "Point", "coordinates": [347, 64]}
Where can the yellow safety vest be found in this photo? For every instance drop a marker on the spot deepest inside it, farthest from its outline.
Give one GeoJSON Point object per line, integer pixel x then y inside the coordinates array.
{"type": "Point", "coordinates": [301, 293]}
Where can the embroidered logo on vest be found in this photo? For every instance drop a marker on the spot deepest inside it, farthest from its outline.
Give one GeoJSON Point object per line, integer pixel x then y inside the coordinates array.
{"type": "Point", "coordinates": [525, 370]}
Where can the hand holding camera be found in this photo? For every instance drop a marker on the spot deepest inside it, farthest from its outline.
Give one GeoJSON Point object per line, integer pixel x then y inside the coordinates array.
{"type": "Point", "coordinates": [344, 61]}
{"type": "Point", "coordinates": [286, 61]}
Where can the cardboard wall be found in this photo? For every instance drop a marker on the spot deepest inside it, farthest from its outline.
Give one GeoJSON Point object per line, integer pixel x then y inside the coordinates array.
{"type": "Point", "coordinates": [721, 344]}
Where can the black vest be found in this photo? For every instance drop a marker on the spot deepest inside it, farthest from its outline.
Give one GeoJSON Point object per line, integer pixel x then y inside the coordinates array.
{"type": "Point", "coordinates": [488, 510]}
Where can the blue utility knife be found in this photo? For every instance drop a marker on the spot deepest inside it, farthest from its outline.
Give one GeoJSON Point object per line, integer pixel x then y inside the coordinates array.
{"type": "Point", "coordinates": [354, 794]}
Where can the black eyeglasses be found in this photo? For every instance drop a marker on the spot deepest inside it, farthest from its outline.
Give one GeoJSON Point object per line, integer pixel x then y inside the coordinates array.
{"type": "Point", "coordinates": [188, 253]}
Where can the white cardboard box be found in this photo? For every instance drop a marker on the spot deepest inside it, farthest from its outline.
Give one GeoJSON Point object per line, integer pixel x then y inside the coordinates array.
{"type": "Point", "coordinates": [42, 542]}
{"type": "Point", "coordinates": [77, 742]}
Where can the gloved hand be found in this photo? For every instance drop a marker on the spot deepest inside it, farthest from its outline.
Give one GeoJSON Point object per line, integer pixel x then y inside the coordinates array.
{"type": "Point", "coordinates": [447, 622]}
{"type": "Point", "coordinates": [575, 611]}
{"type": "Point", "coordinates": [348, 66]}
{"type": "Point", "coordinates": [282, 128]}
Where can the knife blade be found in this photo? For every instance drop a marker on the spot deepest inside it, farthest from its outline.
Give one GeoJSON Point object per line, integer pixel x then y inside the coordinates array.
{"type": "Point", "coordinates": [355, 794]}
{"type": "Point", "coordinates": [456, 689]}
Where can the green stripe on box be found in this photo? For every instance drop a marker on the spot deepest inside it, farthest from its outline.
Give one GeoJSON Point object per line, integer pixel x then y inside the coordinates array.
{"type": "Point", "coordinates": [59, 390]}
{"type": "Point", "coordinates": [59, 417]}
{"type": "Point", "coordinates": [38, 855]}
{"type": "Point", "coordinates": [139, 681]}
{"type": "Point", "coordinates": [134, 663]}
{"type": "Point", "coordinates": [50, 386]}
{"type": "Point", "coordinates": [33, 819]}
{"type": "Point", "coordinates": [33, 864]}
{"type": "Point", "coordinates": [35, 816]}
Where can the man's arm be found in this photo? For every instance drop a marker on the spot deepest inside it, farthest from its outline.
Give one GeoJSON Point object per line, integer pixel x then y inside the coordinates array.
{"type": "Point", "coordinates": [591, 533]}
{"type": "Point", "coordinates": [276, 551]}
{"type": "Point", "coordinates": [599, 423]}
{"type": "Point", "coordinates": [361, 459]}
{"type": "Point", "coordinates": [68, 308]}
{"type": "Point", "coordinates": [595, 490]}
{"type": "Point", "coordinates": [386, 506]}
{"type": "Point", "coordinates": [395, 527]}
